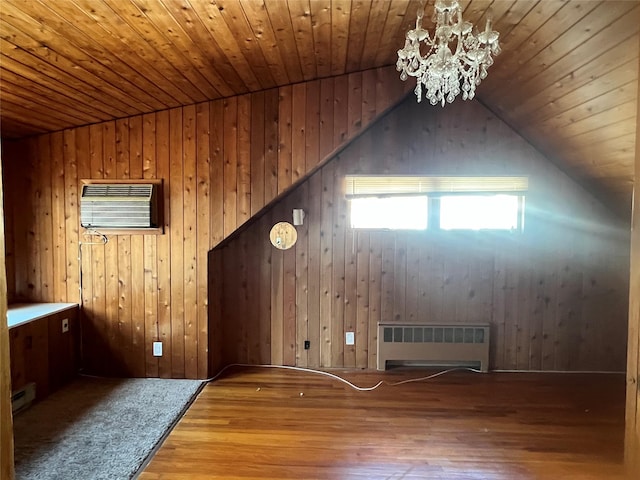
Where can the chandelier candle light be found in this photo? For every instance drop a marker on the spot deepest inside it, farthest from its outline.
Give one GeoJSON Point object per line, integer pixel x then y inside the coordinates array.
{"type": "Point", "coordinates": [443, 72]}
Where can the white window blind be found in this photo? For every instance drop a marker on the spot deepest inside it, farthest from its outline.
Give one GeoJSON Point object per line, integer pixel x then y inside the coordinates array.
{"type": "Point", "coordinates": [384, 185]}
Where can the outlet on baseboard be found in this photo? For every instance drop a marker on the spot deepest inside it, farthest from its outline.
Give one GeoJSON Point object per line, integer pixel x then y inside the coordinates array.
{"type": "Point", "coordinates": [157, 349]}
{"type": "Point", "coordinates": [350, 338]}
{"type": "Point", "coordinates": [65, 325]}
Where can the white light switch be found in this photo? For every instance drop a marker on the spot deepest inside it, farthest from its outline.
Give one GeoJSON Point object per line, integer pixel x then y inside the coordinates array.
{"type": "Point", "coordinates": [350, 338]}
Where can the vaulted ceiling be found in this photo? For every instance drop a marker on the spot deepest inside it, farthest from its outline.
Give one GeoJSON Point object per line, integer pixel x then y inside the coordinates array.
{"type": "Point", "coordinates": [566, 79]}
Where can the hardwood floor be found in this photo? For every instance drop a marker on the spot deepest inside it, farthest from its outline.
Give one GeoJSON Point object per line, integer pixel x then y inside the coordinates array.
{"type": "Point", "coordinates": [267, 424]}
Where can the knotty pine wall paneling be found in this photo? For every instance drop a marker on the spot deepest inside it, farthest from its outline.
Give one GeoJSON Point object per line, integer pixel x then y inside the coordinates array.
{"type": "Point", "coordinates": [221, 162]}
{"type": "Point", "coordinates": [9, 149]}
{"type": "Point", "coordinates": [555, 295]}
{"type": "Point", "coordinates": [632, 412]}
{"type": "Point", "coordinates": [6, 417]}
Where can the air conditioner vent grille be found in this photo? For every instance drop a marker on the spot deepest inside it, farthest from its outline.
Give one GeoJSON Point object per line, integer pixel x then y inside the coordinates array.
{"type": "Point", "coordinates": [117, 190]}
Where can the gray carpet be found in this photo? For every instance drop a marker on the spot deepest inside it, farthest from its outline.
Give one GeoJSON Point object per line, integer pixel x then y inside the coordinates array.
{"type": "Point", "coordinates": [97, 428]}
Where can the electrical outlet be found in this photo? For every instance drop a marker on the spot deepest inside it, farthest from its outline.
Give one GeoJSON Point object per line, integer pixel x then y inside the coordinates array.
{"type": "Point", "coordinates": [350, 338]}
{"type": "Point", "coordinates": [157, 349]}
{"type": "Point", "coordinates": [65, 325]}
{"type": "Point", "coordinates": [307, 344]}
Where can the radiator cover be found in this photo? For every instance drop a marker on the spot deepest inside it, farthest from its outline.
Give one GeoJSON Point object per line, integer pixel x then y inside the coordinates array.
{"type": "Point", "coordinates": [21, 399]}
{"type": "Point", "coordinates": [434, 344]}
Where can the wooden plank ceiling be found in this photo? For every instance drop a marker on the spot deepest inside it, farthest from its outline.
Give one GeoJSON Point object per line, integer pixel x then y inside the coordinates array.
{"type": "Point", "coordinates": [566, 79]}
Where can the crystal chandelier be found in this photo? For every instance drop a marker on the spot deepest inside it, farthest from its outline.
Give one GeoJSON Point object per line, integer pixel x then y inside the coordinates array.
{"type": "Point", "coordinates": [447, 68]}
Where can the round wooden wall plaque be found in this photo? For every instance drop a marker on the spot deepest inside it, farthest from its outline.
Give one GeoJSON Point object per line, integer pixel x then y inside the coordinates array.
{"type": "Point", "coordinates": [283, 235]}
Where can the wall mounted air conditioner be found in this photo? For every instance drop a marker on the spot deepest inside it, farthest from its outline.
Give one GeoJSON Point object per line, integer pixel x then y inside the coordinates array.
{"type": "Point", "coordinates": [119, 205]}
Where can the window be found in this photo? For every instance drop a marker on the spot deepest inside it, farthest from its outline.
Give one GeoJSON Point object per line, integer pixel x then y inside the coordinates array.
{"type": "Point", "coordinates": [447, 203]}
{"type": "Point", "coordinates": [478, 212]}
{"type": "Point", "coordinates": [396, 213]}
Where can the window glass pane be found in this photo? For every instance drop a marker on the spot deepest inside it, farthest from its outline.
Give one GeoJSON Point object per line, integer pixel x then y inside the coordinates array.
{"type": "Point", "coordinates": [389, 212]}
{"type": "Point", "coordinates": [475, 212]}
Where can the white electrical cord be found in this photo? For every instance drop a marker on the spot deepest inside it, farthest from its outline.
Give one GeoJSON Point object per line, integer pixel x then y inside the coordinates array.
{"type": "Point", "coordinates": [90, 232]}
{"type": "Point", "coordinates": [336, 377]}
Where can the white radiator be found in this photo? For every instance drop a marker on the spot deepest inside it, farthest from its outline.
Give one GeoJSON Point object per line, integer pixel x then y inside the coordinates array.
{"type": "Point", "coordinates": [21, 399]}
{"type": "Point", "coordinates": [434, 345]}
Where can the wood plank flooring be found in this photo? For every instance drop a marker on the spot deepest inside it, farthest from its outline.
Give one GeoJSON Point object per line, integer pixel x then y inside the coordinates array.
{"type": "Point", "coordinates": [266, 424]}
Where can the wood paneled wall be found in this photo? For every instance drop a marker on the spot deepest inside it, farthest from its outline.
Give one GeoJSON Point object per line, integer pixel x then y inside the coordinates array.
{"type": "Point", "coordinates": [6, 418]}
{"type": "Point", "coordinates": [632, 420]}
{"type": "Point", "coordinates": [555, 295]}
{"type": "Point", "coordinates": [221, 162]}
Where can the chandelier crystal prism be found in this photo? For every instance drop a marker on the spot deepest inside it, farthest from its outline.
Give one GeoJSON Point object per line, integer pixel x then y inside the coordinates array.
{"type": "Point", "coordinates": [456, 58]}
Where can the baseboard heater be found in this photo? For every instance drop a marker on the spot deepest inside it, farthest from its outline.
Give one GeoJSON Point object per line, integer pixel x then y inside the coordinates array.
{"type": "Point", "coordinates": [433, 345]}
{"type": "Point", "coordinates": [22, 398]}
